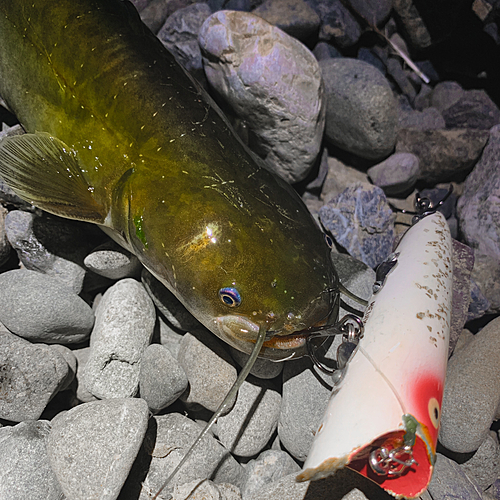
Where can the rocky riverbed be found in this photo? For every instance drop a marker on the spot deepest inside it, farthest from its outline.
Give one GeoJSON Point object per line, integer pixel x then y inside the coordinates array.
{"type": "Point", "coordinates": [106, 379]}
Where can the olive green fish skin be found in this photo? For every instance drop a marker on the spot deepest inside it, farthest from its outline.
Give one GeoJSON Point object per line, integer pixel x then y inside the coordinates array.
{"type": "Point", "coordinates": [174, 182]}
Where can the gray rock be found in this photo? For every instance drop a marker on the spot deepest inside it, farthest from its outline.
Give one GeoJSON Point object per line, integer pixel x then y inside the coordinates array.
{"type": "Point", "coordinates": [372, 11]}
{"type": "Point", "coordinates": [169, 338]}
{"type": "Point", "coordinates": [157, 11]}
{"type": "Point", "coordinates": [273, 82]}
{"type": "Point", "coordinates": [82, 394]}
{"type": "Point", "coordinates": [479, 304]}
{"type": "Point", "coordinates": [167, 440]}
{"type": "Point", "coordinates": [486, 275]}
{"type": "Point", "coordinates": [427, 119]}
{"type": "Point", "coordinates": [71, 361]}
{"type": "Point", "coordinates": [397, 174]}
{"type": "Point", "coordinates": [269, 466]}
{"type": "Point", "coordinates": [248, 427]}
{"type": "Point", "coordinates": [114, 262]}
{"type": "Point", "coordinates": [25, 473]}
{"type": "Point", "coordinates": [361, 111]}
{"type": "Point", "coordinates": [263, 368]}
{"type": "Point", "coordinates": [161, 378]}
{"type": "Point", "coordinates": [474, 109]}
{"type": "Point", "coordinates": [206, 490]}
{"type": "Point", "coordinates": [209, 369]}
{"type": "Point", "coordinates": [179, 35]}
{"type": "Point", "coordinates": [445, 95]}
{"type": "Point", "coordinates": [294, 17]}
{"type": "Point", "coordinates": [400, 76]}
{"type": "Point", "coordinates": [340, 177]}
{"type": "Point", "coordinates": [93, 446]}
{"type": "Point", "coordinates": [450, 481]}
{"type": "Point", "coordinates": [324, 50]}
{"type": "Point", "coordinates": [444, 155]}
{"type": "Point", "coordinates": [5, 248]}
{"type": "Point", "coordinates": [413, 24]}
{"type": "Point", "coordinates": [125, 320]}
{"type": "Point", "coordinates": [52, 245]}
{"type": "Point", "coordinates": [484, 466]}
{"type": "Point", "coordinates": [370, 56]}
{"type": "Point", "coordinates": [30, 375]}
{"type": "Point", "coordinates": [472, 391]}
{"type": "Point", "coordinates": [305, 397]}
{"type": "Point", "coordinates": [362, 222]}
{"type": "Point", "coordinates": [42, 309]}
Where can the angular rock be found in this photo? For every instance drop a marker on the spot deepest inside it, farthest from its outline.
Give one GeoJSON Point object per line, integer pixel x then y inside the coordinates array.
{"type": "Point", "coordinates": [125, 320]}
{"type": "Point", "coordinates": [161, 378]}
{"type": "Point", "coordinates": [479, 304]}
{"type": "Point", "coordinates": [157, 11]}
{"type": "Point", "coordinates": [361, 221]}
{"type": "Point", "coordinates": [294, 17]}
{"type": "Point", "coordinates": [43, 309]}
{"type": "Point", "coordinates": [427, 119]}
{"type": "Point", "coordinates": [444, 155]}
{"type": "Point", "coordinates": [372, 11]}
{"type": "Point", "coordinates": [445, 95]}
{"type": "Point", "coordinates": [248, 427]}
{"type": "Point", "coordinates": [273, 82]}
{"type": "Point", "coordinates": [486, 275]}
{"type": "Point", "coordinates": [472, 391]}
{"type": "Point", "coordinates": [339, 178]}
{"type": "Point", "coordinates": [71, 361]}
{"type": "Point", "coordinates": [93, 446]}
{"type": "Point", "coordinates": [114, 262]}
{"type": "Point", "coordinates": [5, 248]}
{"type": "Point", "coordinates": [82, 394]}
{"type": "Point", "coordinates": [361, 111]}
{"type": "Point", "coordinates": [413, 24]}
{"type": "Point", "coordinates": [397, 174]}
{"type": "Point", "coordinates": [25, 473]}
{"type": "Point", "coordinates": [206, 490]}
{"type": "Point", "coordinates": [209, 369]}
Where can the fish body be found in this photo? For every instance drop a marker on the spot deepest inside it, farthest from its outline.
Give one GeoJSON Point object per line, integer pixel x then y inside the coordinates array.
{"type": "Point", "coordinates": [120, 135]}
{"type": "Point", "coordinates": [391, 393]}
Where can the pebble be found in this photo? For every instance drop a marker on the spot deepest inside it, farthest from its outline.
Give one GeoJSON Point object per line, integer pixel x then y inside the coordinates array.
{"type": "Point", "coordinates": [125, 320]}
{"type": "Point", "coordinates": [161, 378]}
{"type": "Point", "coordinates": [252, 65]}
{"type": "Point", "coordinates": [167, 440]}
{"type": "Point", "coordinates": [269, 466]}
{"type": "Point", "coordinates": [179, 34]}
{"type": "Point", "coordinates": [445, 95]}
{"type": "Point", "coordinates": [444, 155]}
{"type": "Point", "coordinates": [51, 245]}
{"type": "Point", "coordinates": [339, 178]}
{"type": "Point", "coordinates": [361, 221]}
{"type": "Point", "coordinates": [361, 111]}
{"type": "Point", "coordinates": [114, 262]}
{"type": "Point", "coordinates": [209, 369]}
{"type": "Point", "coordinates": [206, 490]}
{"type": "Point", "coordinates": [294, 17]}
{"type": "Point", "coordinates": [450, 481]}
{"type": "Point", "coordinates": [82, 394]}
{"type": "Point", "coordinates": [26, 473]}
{"type": "Point", "coordinates": [93, 446]}
{"type": "Point", "coordinates": [248, 427]}
{"type": "Point", "coordinates": [427, 119]}
{"type": "Point", "coordinates": [262, 368]}
{"type": "Point", "coordinates": [41, 308]}
{"type": "Point", "coordinates": [397, 174]}
{"type": "Point", "coordinates": [472, 391]}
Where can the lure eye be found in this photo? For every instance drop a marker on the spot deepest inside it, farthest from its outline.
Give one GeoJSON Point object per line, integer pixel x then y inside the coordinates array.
{"type": "Point", "coordinates": [329, 240]}
{"type": "Point", "coordinates": [434, 412]}
{"type": "Point", "coordinates": [230, 297]}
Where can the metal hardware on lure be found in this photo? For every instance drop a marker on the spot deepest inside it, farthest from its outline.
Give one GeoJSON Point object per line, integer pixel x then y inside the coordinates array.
{"type": "Point", "coordinates": [383, 269]}
{"type": "Point", "coordinates": [391, 462]}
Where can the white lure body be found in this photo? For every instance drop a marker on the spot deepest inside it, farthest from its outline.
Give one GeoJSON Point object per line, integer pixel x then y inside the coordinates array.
{"type": "Point", "coordinates": [390, 395]}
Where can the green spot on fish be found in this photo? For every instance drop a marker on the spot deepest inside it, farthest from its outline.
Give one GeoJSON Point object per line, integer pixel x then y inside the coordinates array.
{"type": "Point", "coordinates": [139, 230]}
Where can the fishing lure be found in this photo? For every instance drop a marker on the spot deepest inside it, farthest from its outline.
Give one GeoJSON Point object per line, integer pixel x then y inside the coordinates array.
{"type": "Point", "coordinates": [383, 417]}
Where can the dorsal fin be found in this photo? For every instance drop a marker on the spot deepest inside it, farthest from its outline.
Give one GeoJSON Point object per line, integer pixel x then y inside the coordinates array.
{"type": "Point", "coordinates": [44, 171]}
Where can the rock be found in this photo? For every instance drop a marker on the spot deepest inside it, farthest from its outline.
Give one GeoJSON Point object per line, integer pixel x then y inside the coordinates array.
{"type": "Point", "coordinates": [397, 174]}
{"type": "Point", "coordinates": [248, 427]}
{"type": "Point", "coordinates": [474, 109]}
{"type": "Point", "coordinates": [339, 178]}
{"type": "Point", "coordinates": [167, 440]}
{"type": "Point", "coordinates": [209, 369]}
{"type": "Point", "coordinates": [413, 24]}
{"type": "Point", "coordinates": [372, 11]}
{"type": "Point", "coordinates": [294, 17]}
{"type": "Point", "coordinates": [71, 361]}
{"type": "Point", "coordinates": [169, 338]}
{"type": "Point", "coordinates": [479, 304]}
{"type": "Point", "coordinates": [179, 34]}
{"type": "Point", "coordinates": [324, 50]}
{"type": "Point", "coordinates": [25, 473]}
{"type": "Point", "coordinates": [30, 375]}
{"type": "Point", "coordinates": [338, 25]}
{"type": "Point", "coordinates": [125, 320]}
{"type": "Point", "coordinates": [428, 119]}
{"type": "Point", "coordinates": [263, 368]}
{"type": "Point", "coordinates": [155, 14]}
{"type": "Point", "coordinates": [374, 58]}
{"type": "Point", "coordinates": [93, 446]}
{"type": "Point", "coordinates": [444, 155]}
{"type": "Point", "coordinates": [82, 394]}
{"type": "Point", "coordinates": [445, 95]}
{"type": "Point", "coordinates": [484, 466]}
{"type": "Point", "coordinates": [251, 65]}
{"type": "Point", "coordinates": [268, 467]}
{"type": "Point", "coordinates": [114, 262]}
{"type": "Point", "coordinates": [450, 481]}
{"type": "Point", "coordinates": [161, 378]}
{"type": "Point", "coordinates": [362, 222]}
{"type": "Point", "coordinates": [206, 490]}
{"type": "Point", "coordinates": [401, 78]}
{"type": "Point", "coordinates": [361, 111]}
{"type": "Point", "coordinates": [486, 275]}
{"type": "Point", "coordinates": [52, 245]}
{"type": "Point", "coordinates": [5, 248]}
{"type": "Point", "coordinates": [472, 391]}
{"type": "Point", "coordinates": [43, 309]}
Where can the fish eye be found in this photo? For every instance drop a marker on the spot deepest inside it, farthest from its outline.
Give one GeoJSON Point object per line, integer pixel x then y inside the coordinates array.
{"type": "Point", "coordinates": [434, 412]}
{"type": "Point", "coordinates": [328, 240]}
{"type": "Point", "coordinates": [230, 296]}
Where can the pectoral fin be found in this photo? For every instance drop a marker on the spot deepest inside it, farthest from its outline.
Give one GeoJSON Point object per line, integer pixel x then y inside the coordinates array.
{"type": "Point", "coordinates": [45, 171]}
